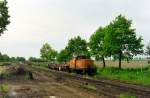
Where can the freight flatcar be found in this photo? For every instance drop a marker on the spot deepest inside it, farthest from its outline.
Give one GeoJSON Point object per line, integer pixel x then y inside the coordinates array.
{"type": "Point", "coordinates": [59, 67]}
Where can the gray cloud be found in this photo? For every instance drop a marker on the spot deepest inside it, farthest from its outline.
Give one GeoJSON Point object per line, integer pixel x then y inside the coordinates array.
{"type": "Point", "coordinates": [34, 22]}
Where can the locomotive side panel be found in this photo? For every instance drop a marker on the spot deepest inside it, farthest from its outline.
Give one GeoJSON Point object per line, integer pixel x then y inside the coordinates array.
{"type": "Point", "coordinates": [89, 63]}
{"type": "Point", "coordinates": [72, 64]}
{"type": "Point", "coordinates": [81, 64]}
{"type": "Point", "coordinates": [84, 64]}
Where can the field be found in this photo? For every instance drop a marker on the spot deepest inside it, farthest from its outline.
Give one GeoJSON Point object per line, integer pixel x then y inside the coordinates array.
{"type": "Point", "coordinates": [125, 64]}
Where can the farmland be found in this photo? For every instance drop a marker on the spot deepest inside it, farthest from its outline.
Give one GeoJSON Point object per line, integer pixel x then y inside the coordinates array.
{"type": "Point", "coordinates": [131, 64]}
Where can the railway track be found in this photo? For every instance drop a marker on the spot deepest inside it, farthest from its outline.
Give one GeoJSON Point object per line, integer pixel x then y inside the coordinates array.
{"type": "Point", "coordinates": [109, 88]}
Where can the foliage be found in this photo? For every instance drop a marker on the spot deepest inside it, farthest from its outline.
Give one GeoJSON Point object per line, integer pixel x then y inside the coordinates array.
{"type": "Point", "coordinates": [62, 57]}
{"type": "Point", "coordinates": [148, 49]}
{"type": "Point", "coordinates": [20, 59]}
{"type": "Point", "coordinates": [4, 17]}
{"type": "Point", "coordinates": [96, 45]}
{"type": "Point", "coordinates": [121, 40]}
{"type": "Point", "coordinates": [47, 53]}
{"type": "Point", "coordinates": [12, 59]}
{"type": "Point", "coordinates": [77, 46]}
{"type": "Point", "coordinates": [34, 59]}
{"type": "Point", "coordinates": [6, 58]}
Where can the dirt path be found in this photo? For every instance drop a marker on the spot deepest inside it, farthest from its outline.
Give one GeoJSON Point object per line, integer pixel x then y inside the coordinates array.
{"type": "Point", "coordinates": [46, 90]}
{"type": "Point", "coordinates": [46, 86]}
{"type": "Point", "coordinates": [1, 69]}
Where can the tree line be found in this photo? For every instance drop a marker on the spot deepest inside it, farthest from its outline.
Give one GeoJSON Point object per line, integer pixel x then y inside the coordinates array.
{"type": "Point", "coordinates": [117, 40]}
{"type": "Point", "coordinates": [6, 58]}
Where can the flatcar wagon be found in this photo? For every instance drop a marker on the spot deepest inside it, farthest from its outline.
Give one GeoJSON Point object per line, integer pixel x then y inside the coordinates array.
{"type": "Point", "coordinates": [59, 67]}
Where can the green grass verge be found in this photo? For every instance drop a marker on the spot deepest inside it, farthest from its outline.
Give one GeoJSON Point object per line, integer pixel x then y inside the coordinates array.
{"type": "Point", "coordinates": [126, 95]}
{"type": "Point", "coordinates": [136, 76]}
{"type": "Point", "coordinates": [42, 64]}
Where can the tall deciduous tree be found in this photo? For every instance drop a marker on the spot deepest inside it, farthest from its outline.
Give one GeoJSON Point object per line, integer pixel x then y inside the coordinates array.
{"type": "Point", "coordinates": [77, 46]}
{"type": "Point", "coordinates": [62, 57]}
{"type": "Point", "coordinates": [121, 40]}
{"type": "Point", "coordinates": [96, 44]}
{"type": "Point", "coordinates": [47, 53]}
{"type": "Point", "coordinates": [4, 16]}
{"type": "Point", "coordinates": [148, 49]}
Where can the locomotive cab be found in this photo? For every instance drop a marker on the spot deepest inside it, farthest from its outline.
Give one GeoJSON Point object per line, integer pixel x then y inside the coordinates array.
{"type": "Point", "coordinates": [81, 63]}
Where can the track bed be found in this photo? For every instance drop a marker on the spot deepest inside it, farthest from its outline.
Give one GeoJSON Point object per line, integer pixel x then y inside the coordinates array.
{"type": "Point", "coordinates": [46, 85]}
{"type": "Point", "coordinates": [103, 86]}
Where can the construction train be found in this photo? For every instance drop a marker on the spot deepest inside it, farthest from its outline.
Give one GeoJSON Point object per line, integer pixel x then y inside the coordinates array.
{"type": "Point", "coordinates": [79, 64]}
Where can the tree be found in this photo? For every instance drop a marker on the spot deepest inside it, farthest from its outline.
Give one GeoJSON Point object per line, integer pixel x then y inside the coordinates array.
{"type": "Point", "coordinates": [6, 58]}
{"type": "Point", "coordinates": [96, 45]}
{"type": "Point", "coordinates": [4, 17]}
{"type": "Point", "coordinates": [20, 59]}
{"type": "Point", "coordinates": [77, 46]}
{"type": "Point", "coordinates": [34, 59]}
{"type": "Point", "coordinates": [148, 49]}
{"type": "Point", "coordinates": [1, 57]}
{"type": "Point", "coordinates": [12, 59]}
{"type": "Point", "coordinates": [47, 53]}
{"type": "Point", "coordinates": [121, 40]}
{"type": "Point", "coordinates": [62, 57]}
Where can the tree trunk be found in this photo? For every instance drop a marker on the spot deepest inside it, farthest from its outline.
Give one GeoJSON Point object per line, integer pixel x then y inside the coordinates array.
{"type": "Point", "coordinates": [120, 57]}
{"type": "Point", "coordinates": [104, 65]}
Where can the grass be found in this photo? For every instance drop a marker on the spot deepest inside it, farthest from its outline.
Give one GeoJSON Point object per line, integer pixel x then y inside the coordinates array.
{"type": "Point", "coordinates": [136, 76]}
{"type": "Point", "coordinates": [4, 88]}
{"type": "Point", "coordinates": [42, 64]}
{"type": "Point", "coordinates": [126, 95]}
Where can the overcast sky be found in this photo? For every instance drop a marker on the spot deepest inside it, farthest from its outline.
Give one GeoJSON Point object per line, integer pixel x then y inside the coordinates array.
{"type": "Point", "coordinates": [34, 22]}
